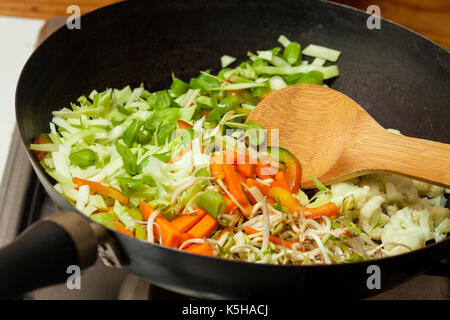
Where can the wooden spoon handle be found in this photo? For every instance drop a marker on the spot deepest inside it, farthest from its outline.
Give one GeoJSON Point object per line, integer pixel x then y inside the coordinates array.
{"type": "Point", "coordinates": [417, 158]}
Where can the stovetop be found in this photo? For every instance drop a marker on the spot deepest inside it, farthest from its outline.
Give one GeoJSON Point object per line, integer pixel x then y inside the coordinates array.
{"type": "Point", "coordinates": [24, 201]}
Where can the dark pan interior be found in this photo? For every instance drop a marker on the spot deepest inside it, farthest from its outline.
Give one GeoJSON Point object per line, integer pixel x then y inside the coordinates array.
{"type": "Point", "coordinates": [399, 77]}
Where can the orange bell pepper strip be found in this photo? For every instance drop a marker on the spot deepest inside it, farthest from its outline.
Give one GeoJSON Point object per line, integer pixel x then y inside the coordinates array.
{"type": "Point", "coordinates": [273, 239]}
{"type": "Point", "coordinates": [184, 222]}
{"type": "Point", "coordinates": [286, 198]}
{"type": "Point", "coordinates": [102, 190]}
{"type": "Point", "coordinates": [329, 209]}
{"type": "Point", "coordinates": [183, 124]}
{"type": "Point", "coordinates": [205, 112]}
{"type": "Point", "coordinates": [121, 228]}
{"type": "Point", "coordinates": [264, 171]}
{"type": "Point", "coordinates": [169, 236]}
{"type": "Point", "coordinates": [200, 248]}
{"type": "Point", "coordinates": [292, 167]}
{"type": "Point", "coordinates": [42, 139]}
{"type": "Point", "coordinates": [281, 181]}
{"type": "Point", "coordinates": [261, 186]}
{"type": "Point", "coordinates": [204, 227]}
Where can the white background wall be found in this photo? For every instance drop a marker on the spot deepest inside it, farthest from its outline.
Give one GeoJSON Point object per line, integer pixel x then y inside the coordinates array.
{"type": "Point", "coordinates": [17, 40]}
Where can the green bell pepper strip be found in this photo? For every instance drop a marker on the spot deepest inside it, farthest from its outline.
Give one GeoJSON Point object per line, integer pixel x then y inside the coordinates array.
{"type": "Point", "coordinates": [293, 169]}
{"type": "Point", "coordinates": [83, 158]}
{"type": "Point", "coordinates": [144, 137]}
{"type": "Point", "coordinates": [178, 86]}
{"type": "Point", "coordinates": [128, 158]}
{"type": "Point", "coordinates": [131, 132]}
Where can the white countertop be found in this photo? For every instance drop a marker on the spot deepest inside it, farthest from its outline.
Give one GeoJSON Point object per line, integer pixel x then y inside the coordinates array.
{"type": "Point", "coordinates": [18, 37]}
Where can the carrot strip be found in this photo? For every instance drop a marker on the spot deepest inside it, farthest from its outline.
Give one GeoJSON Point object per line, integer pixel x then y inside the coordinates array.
{"type": "Point", "coordinates": [247, 210]}
{"type": "Point", "coordinates": [184, 237]}
{"type": "Point", "coordinates": [204, 227]}
{"type": "Point", "coordinates": [121, 228]}
{"type": "Point", "coordinates": [205, 112]}
{"type": "Point", "coordinates": [169, 236]}
{"type": "Point", "coordinates": [102, 190]}
{"type": "Point", "coordinates": [230, 205]}
{"type": "Point", "coordinates": [246, 169]}
{"type": "Point", "coordinates": [329, 209]}
{"type": "Point", "coordinates": [233, 183]}
{"type": "Point", "coordinates": [273, 239]}
{"type": "Point", "coordinates": [146, 209]}
{"type": "Point", "coordinates": [217, 170]}
{"type": "Point", "coordinates": [186, 221]}
{"type": "Point", "coordinates": [201, 248]}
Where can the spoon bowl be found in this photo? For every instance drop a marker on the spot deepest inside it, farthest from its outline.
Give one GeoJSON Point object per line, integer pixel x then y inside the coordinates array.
{"type": "Point", "coordinates": [335, 139]}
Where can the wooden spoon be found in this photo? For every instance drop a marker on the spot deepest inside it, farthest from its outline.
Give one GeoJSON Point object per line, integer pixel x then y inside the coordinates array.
{"type": "Point", "coordinates": [335, 139]}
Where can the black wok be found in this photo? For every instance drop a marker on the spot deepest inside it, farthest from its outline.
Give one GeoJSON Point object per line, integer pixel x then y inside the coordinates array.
{"type": "Point", "coordinates": [399, 77]}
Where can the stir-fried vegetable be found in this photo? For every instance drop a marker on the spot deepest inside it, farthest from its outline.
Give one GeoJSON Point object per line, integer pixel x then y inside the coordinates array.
{"type": "Point", "coordinates": [183, 168]}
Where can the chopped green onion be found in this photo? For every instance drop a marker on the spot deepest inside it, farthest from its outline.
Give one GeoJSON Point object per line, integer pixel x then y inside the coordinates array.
{"type": "Point", "coordinates": [318, 62]}
{"type": "Point", "coordinates": [284, 41]}
{"type": "Point", "coordinates": [239, 86]}
{"type": "Point", "coordinates": [227, 60]}
{"type": "Point", "coordinates": [312, 77]}
{"type": "Point", "coordinates": [321, 52]}
{"type": "Point", "coordinates": [47, 147]}
{"type": "Point", "coordinates": [279, 62]}
{"type": "Point", "coordinates": [212, 202]}
{"type": "Point", "coordinates": [292, 52]}
{"type": "Point", "coordinates": [286, 70]}
{"type": "Point", "coordinates": [330, 72]}
{"type": "Point", "coordinates": [266, 55]}
{"type": "Point", "coordinates": [255, 134]}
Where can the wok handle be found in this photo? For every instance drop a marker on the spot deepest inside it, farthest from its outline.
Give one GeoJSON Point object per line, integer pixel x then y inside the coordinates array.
{"type": "Point", "coordinates": [41, 255]}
